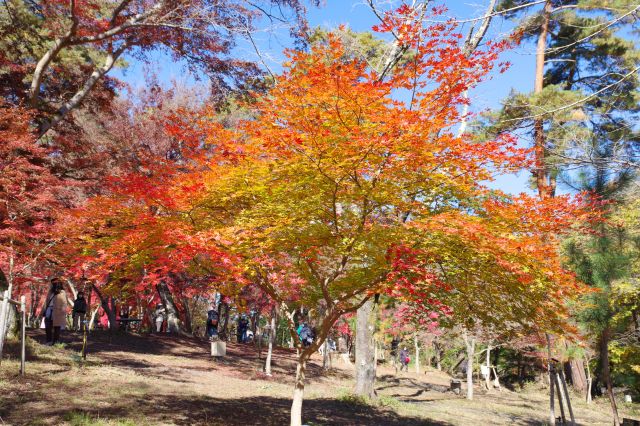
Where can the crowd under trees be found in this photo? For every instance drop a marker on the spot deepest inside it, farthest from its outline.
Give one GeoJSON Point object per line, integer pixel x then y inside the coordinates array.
{"type": "Point", "coordinates": [351, 190]}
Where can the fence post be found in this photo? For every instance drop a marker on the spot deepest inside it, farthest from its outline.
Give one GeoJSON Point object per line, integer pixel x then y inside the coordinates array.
{"type": "Point", "coordinates": [23, 335]}
{"type": "Point", "coordinates": [4, 311]}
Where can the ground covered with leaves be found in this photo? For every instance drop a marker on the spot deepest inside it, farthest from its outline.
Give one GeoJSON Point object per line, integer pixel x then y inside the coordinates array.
{"type": "Point", "coordinates": [165, 380]}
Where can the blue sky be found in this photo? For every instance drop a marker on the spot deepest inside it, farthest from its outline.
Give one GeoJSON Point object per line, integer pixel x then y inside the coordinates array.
{"type": "Point", "coordinates": [357, 15]}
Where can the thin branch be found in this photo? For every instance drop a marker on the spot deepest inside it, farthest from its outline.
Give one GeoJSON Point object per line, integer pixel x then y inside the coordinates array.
{"type": "Point", "coordinates": [576, 103]}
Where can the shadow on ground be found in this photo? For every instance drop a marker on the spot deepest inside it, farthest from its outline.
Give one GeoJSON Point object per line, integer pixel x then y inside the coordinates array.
{"type": "Point", "coordinates": [243, 359]}
{"type": "Point", "coordinates": [199, 410]}
{"type": "Point", "coordinates": [185, 409]}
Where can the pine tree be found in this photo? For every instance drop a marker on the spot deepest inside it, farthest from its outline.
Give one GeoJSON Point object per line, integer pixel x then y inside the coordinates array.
{"type": "Point", "coordinates": [585, 93]}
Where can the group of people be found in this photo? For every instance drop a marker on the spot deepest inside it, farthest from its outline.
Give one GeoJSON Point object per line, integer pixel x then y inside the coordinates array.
{"type": "Point", "coordinates": [55, 320]}
{"type": "Point", "coordinates": [243, 332]}
{"type": "Point", "coordinates": [54, 313]}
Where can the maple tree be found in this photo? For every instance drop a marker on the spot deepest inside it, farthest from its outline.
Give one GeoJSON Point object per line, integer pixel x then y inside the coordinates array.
{"type": "Point", "coordinates": [30, 195]}
{"type": "Point", "coordinates": [30, 198]}
{"type": "Point", "coordinates": [130, 241]}
{"type": "Point", "coordinates": [336, 190]}
{"type": "Point", "coordinates": [338, 176]}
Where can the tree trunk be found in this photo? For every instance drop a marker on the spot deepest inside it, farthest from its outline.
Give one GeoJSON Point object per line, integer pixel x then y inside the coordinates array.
{"type": "Point", "coordinates": [92, 320]}
{"type": "Point", "coordinates": [272, 339]}
{"type": "Point", "coordinates": [438, 356]}
{"type": "Point", "coordinates": [470, 342]}
{"type": "Point", "coordinates": [11, 314]}
{"type": "Point", "coordinates": [576, 374]}
{"type": "Point", "coordinates": [298, 392]}
{"type": "Point", "coordinates": [544, 182]}
{"type": "Point", "coordinates": [552, 407]}
{"type": "Point", "coordinates": [567, 398]}
{"type": "Point", "coordinates": [173, 322]}
{"type": "Point", "coordinates": [223, 329]}
{"type": "Point", "coordinates": [589, 382]}
{"type": "Point", "coordinates": [606, 373]}
{"type": "Point", "coordinates": [109, 310]}
{"type": "Point", "coordinates": [34, 314]}
{"type": "Point", "coordinates": [365, 357]}
{"type": "Point", "coordinates": [45, 60]}
{"type": "Point", "coordinates": [188, 320]}
{"type": "Point", "coordinates": [487, 378]}
{"type": "Point", "coordinates": [326, 356]}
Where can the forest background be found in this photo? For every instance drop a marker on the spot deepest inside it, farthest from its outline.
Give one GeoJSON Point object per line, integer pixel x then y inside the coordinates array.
{"type": "Point", "coordinates": [77, 86]}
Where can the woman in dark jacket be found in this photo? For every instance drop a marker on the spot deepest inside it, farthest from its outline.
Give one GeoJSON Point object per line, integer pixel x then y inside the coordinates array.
{"type": "Point", "coordinates": [79, 312]}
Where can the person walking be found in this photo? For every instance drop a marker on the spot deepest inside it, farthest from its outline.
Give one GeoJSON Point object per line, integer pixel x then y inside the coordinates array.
{"type": "Point", "coordinates": [79, 312]}
{"type": "Point", "coordinates": [55, 315]}
{"type": "Point", "coordinates": [404, 359]}
{"type": "Point", "coordinates": [306, 334]}
{"type": "Point", "coordinates": [212, 322]}
{"type": "Point", "coordinates": [243, 326]}
{"type": "Point", "coordinates": [159, 317]}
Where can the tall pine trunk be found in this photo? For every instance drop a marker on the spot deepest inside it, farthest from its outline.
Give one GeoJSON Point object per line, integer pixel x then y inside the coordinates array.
{"type": "Point", "coordinates": [544, 183]}
{"type": "Point", "coordinates": [606, 373]}
{"type": "Point", "coordinates": [365, 351]}
{"type": "Point", "coordinates": [576, 373]}
{"type": "Point", "coordinates": [438, 355]}
{"type": "Point", "coordinates": [326, 356]}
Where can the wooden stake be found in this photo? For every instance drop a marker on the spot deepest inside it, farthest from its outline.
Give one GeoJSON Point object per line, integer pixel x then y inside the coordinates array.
{"type": "Point", "coordinates": [4, 315]}
{"type": "Point", "coordinates": [23, 334]}
{"type": "Point", "coordinates": [557, 383]}
{"type": "Point", "coordinates": [552, 410]}
{"type": "Point", "coordinates": [568, 399]}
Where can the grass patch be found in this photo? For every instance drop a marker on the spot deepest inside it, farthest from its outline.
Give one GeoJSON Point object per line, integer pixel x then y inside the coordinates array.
{"type": "Point", "coordinates": [389, 401]}
{"type": "Point", "coordinates": [78, 418]}
{"type": "Point", "coordinates": [353, 399]}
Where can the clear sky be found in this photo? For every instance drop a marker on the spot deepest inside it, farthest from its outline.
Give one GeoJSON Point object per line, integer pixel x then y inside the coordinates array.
{"type": "Point", "coordinates": [357, 15]}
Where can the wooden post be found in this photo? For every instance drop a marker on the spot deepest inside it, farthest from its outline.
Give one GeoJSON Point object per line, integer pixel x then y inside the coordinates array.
{"type": "Point", "coordinates": [23, 335]}
{"type": "Point", "coordinates": [589, 381]}
{"type": "Point", "coordinates": [557, 384]}
{"type": "Point", "coordinates": [567, 398]}
{"type": "Point", "coordinates": [84, 339]}
{"type": "Point", "coordinates": [4, 311]}
{"type": "Point", "coordinates": [552, 410]}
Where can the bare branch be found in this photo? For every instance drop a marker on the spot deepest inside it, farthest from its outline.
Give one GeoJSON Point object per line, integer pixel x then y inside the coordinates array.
{"type": "Point", "coordinates": [96, 75]}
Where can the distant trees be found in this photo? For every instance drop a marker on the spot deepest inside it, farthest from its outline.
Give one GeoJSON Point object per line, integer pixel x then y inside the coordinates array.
{"type": "Point", "coordinates": [74, 45]}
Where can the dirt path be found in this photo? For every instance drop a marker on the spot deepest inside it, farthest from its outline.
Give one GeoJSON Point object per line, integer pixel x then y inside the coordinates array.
{"type": "Point", "coordinates": [166, 380]}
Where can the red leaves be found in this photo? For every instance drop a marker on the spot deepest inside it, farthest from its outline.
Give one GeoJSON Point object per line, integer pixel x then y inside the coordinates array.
{"type": "Point", "coordinates": [28, 190]}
